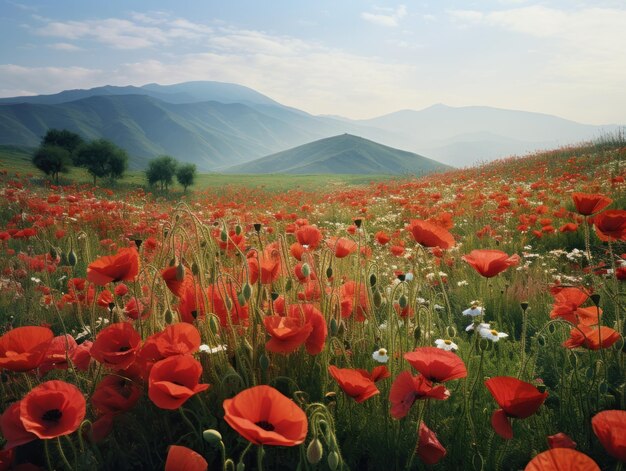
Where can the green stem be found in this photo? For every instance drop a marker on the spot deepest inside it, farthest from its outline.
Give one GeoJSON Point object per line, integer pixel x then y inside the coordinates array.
{"type": "Point", "coordinates": [259, 458]}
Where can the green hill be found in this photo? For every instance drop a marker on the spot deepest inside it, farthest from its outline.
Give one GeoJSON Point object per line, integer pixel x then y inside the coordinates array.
{"type": "Point", "coordinates": [344, 154]}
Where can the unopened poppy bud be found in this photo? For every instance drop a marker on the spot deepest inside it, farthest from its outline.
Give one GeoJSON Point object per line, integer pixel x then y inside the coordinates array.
{"type": "Point", "coordinates": [228, 303]}
{"type": "Point", "coordinates": [237, 229]}
{"type": "Point", "coordinates": [306, 270]}
{"type": "Point", "coordinates": [417, 333]}
{"type": "Point", "coordinates": [212, 436]}
{"type": "Point", "coordinates": [403, 301]}
{"type": "Point", "coordinates": [223, 236]}
{"type": "Point", "coordinates": [257, 227]}
{"type": "Point", "coordinates": [524, 305]}
{"type": "Point", "coordinates": [195, 269]}
{"type": "Point", "coordinates": [341, 329]}
{"type": "Point", "coordinates": [357, 222]}
{"type": "Point", "coordinates": [63, 262]}
{"type": "Point", "coordinates": [72, 259]}
{"type": "Point", "coordinates": [377, 298]}
{"type": "Point", "coordinates": [314, 451]}
{"type": "Point", "coordinates": [246, 291]}
{"type": "Point", "coordinates": [53, 253]}
{"type": "Point", "coordinates": [172, 262]}
{"type": "Point", "coordinates": [138, 243]}
{"type": "Point", "coordinates": [240, 466]}
{"type": "Point", "coordinates": [401, 276]}
{"type": "Point", "coordinates": [241, 299]}
{"type": "Point", "coordinates": [333, 460]}
{"type": "Point", "coordinates": [264, 362]}
{"type": "Point", "coordinates": [333, 327]}
{"type": "Point", "coordinates": [595, 298]}
{"type": "Point", "coordinates": [329, 272]}
{"type": "Point", "coordinates": [180, 272]}
{"type": "Point", "coordinates": [213, 324]}
{"type": "Point", "coordinates": [373, 280]}
{"type": "Point", "coordinates": [288, 284]}
{"type": "Point", "coordinates": [169, 317]}
{"type": "Point", "coordinates": [274, 295]}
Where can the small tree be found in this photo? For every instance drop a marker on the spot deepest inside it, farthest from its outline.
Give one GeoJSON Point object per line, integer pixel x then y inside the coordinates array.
{"type": "Point", "coordinates": [161, 170]}
{"type": "Point", "coordinates": [185, 175]}
{"type": "Point", "coordinates": [102, 159]}
{"type": "Point", "coordinates": [52, 160]}
{"type": "Point", "coordinates": [68, 140]}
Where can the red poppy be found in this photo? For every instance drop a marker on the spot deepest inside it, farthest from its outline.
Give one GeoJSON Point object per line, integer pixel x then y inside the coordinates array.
{"type": "Point", "coordinates": [429, 449]}
{"type": "Point", "coordinates": [115, 394]}
{"type": "Point", "coordinates": [561, 440]}
{"type": "Point", "coordinates": [568, 227]}
{"type": "Point", "coordinates": [489, 263]}
{"type": "Point", "coordinates": [113, 268]}
{"type": "Point", "coordinates": [406, 389]}
{"type": "Point", "coordinates": [175, 283]}
{"type": "Point", "coordinates": [116, 346]}
{"type": "Point", "coordinates": [430, 235]}
{"type": "Point", "coordinates": [609, 427]}
{"type": "Point", "coordinates": [52, 409]}
{"type": "Point", "coordinates": [517, 399]}
{"type": "Point", "coordinates": [191, 303]}
{"type": "Point", "coordinates": [287, 333]}
{"type": "Point", "coordinates": [223, 302]}
{"type": "Point", "coordinates": [81, 356]}
{"type": "Point", "coordinates": [611, 225]}
{"type": "Point", "coordinates": [377, 374]}
{"type": "Point", "coordinates": [309, 236]}
{"type": "Point", "coordinates": [561, 459]}
{"type": "Point", "coordinates": [181, 458]}
{"type": "Point", "coordinates": [436, 364]}
{"type": "Point", "coordinates": [567, 302]}
{"type": "Point", "coordinates": [24, 348]}
{"type": "Point", "coordinates": [13, 429]}
{"type": "Point", "coordinates": [265, 265]}
{"type": "Point", "coordinates": [588, 204]}
{"type": "Point", "coordinates": [382, 238]}
{"type": "Point", "coordinates": [100, 428]}
{"type": "Point", "coordinates": [174, 380]}
{"type": "Point", "coordinates": [178, 339]}
{"type": "Point", "coordinates": [351, 293]}
{"type": "Point", "coordinates": [341, 246]}
{"type": "Point", "coordinates": [264, 416]}
{"type": "Point", "coordinates": [354, 383]}
{"type": "Point", "coordinates": [591, 338]}
{"type": "Point", "coordinates": [61, 348]}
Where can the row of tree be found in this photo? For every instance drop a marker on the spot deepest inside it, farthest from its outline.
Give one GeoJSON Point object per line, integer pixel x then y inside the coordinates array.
{"type": "Point", "coordinates": [163, 169]}
{"type": "Point", "coordinates": [59, 149]}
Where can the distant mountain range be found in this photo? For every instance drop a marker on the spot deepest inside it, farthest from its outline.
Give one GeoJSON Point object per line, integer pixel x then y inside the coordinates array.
{"type": "Point", "coordinates": [218, 125]}
{"type": "Point", "coordinates": [341, 154]}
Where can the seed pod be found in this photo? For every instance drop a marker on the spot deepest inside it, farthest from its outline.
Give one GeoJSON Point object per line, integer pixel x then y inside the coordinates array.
{"type": "Point", "coordinates": [247, 291]}
{"type": "Point", "coordinates": [524, 305]}
{"type": "Point", "coordinates": [241, 299]}
{"type": "Point", "coordinates": [314, 451]}
{"type": "Point", "coordinates": [264, 362]}
{"type": "Point", "coordinates": [275, 295]}
{"type": "Point", "coordinates": [224, 238]}
{"type": "Point", "coordinates": [329, 272]}
{"type": "Point", "coordinates": [377, 298]}
{"type": "Point", "coordinates": [417, 333]}
{"type": "Point", "coordinates": [195, 269]}
{"type": "Point", "coordinates": [212, 436]}
{"type": "Point", "coordinates": [403, 301]}
{"type": "Point", "coordinates": [168, 316]}
{"type": "Point", "coordinates": [373, 280]}
{"type": "Point", "coordinates": [72, 259]}
{"type": "Point", "coordinates": [213, 324]}
{"type": "Point", "coordinates": [306, 270]}
{"type": "Point", "coordinates": [180, 272]}
{"type": "Point", "coordinates": [333, 460]}
{"type": "Point", "coordinates": [238, 229]}
{"type": "Point", "coordinates": [288, 284]}
{"type": "Point", "coordinates": [595, 298]}
{"type": "Point", "coordinates": [257, 227]}
{"type": "Point", "coordinates": [53, 253]}
{"type": "Point", "coordinates": [333, 327]}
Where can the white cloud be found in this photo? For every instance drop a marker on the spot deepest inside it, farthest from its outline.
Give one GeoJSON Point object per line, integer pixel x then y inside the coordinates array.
{"type": "Point", "coordinates": [18, 80]}
{"type": "Point", "coordinates": [385, 16]}
{"type": "Point", "coordinates": [64, 47]}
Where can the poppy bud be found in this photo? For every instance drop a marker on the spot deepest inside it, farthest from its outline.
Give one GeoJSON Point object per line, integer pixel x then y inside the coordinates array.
{"type": "Point", "coordinates": [63, 262]}
{"type": "Point", "coordinates": [333, 460]}
{"type": "Point", "coordinates": [180, 272]}
{"type": "Point", "coordinates": [240, 466]}
{"type": "Point", "coordinates": [264, 362]}
{"type": "Point", "coordinates": [314, 451]}
{"type": "Point", "coordinates": [213, 324]}
{"type": "Point", "coordinates": [333, 327]}
{"type": "Point", "coordinates": [306, 270]}
{"type": "Point", "coordinates": [195, 269]}
{"type": "Point", "coordinates": [241, 299]}
{"type": "Point", "coordinates": [274, 295]}
{"type": "Point", "coordinates": [451, 332]}
{"type": "Point", "coordinates": [524, 305]}
{"type": "Point", "coordinates": [373, 280]}
{"type": "Point", "coordinates": [224, 238]}
{"type": "Point", "coordinates": [401, 276]}
{"type": "Point", "coordinates": [53, 253]}
{"type": "Point", "coordinates": [377, 298]}
{"type": "Point", "coordinates": [138, 243]}
{"type": "Point", "coordinates": [228, 303]}
{"type": "Point", "coordinates": [417, 333]}
{"type": "Point", "coordinates": [169, 317]}
{"type": "Point", "coordinates": [237, 229]}
{"type": "Point", "coordinates": [341, 329]}
{"type": "Point", "coordinates": [357, 222]}
{"type": "Point", "coordinates": [288, 284]}
{"type": "Point", "coordinates": [329, 272]}
{"type": "Point", "coordinates": [71, 258]}
{"type": "Point", "coordinates": [172, 262]}
{"type": "Point", "coordinates": [257, 227]}
{"type": "Point", "coordinates": [595, 298]}
{"type": "Point", "coordinates": [212, 436]}
{"type": "Point", "coordinates": [247, 291]}
{"type": "Point", "coordinates": [403, 301]}
{"type": "Point", "coordinates": [541, 340]}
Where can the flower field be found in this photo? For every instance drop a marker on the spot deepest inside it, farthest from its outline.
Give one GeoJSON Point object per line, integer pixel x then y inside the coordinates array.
{"type": "Point", "coordinates": [472, 319]}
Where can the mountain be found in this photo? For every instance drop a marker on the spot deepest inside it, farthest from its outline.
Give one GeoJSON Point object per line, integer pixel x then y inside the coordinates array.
{"type": "Point", "coordinates": [341, 154]}
{"type": "Point", "coordinates": [464, 135]}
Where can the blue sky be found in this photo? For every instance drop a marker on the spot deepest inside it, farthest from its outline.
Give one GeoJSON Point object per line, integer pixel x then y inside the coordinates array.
{"type": "Point", "coordinates": [352, 58]}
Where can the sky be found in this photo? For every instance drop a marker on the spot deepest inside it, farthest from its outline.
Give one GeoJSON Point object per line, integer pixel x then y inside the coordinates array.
{"type": "Point", "coordinates": [352, 58]}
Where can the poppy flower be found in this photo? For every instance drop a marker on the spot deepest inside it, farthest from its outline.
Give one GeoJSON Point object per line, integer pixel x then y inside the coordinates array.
{"type": "Point", "coordinates": [116, 346]}
{"type": "Point", "coordinates": [287, 333]}
{"type": "Point", "coordinates": [611, 225]}
{"type": "Point", "coordinates": [174, 380]}
{"type": "Point", "coordinates": [24, 348]}
{"type": "Point", "coordinates": [309, 236]}
{"type": "Point", "coordinates": [561, 459]}
{"type": "Point", "coordinates": [436, 365]}
{"type": "Point", "coordinates": [60, 349]}
{"type": "Point", "coordinates": [122, 266]}
{"type": "Point", "coordinates": [382, 237]}
{"type": "Point", "coordinates": [353, 299]}
{"type": "Point", "coordinates": [341, 246]}
{"type": "Point", "coordinates": [354, 383]}
{"type": "Point", "coordinates": [223, 301]}
{"type": "Point", "coordinates": [181, 458]}
{"type": "Point", "coordinates": [561, 440]}
{"type": "Point", "coordinates": [173, 280]}
{"type": "Point", "coordinates": [517, 399]}
{"type": "Point", "coordinates": [430, 235]}
{"type": "Point", "coordinates": [115, 394]}
{"type": "Point", "coordinates": [609, 426]}
{"type": "Point", "coordinates": [429, 449]}
{"type": "Point", "coordinates": [378, 373]}
{"type": "Point", "coordinates": [591, 338]}
{"type": "Point", "coordinates": [265, 265]}
{"type": "Point", "coordinates": [567, 302]}
{"type": "Point", "coordinates": [13, 429]}
{"type": "Point", "coordinates": [81, 356]}
{"type": "Point", "coordinates": [53, 409]}
{"type": "Point", "coordinates": [588, 203]}
{"type": "Point", "coordinates": [178, 339]}
{"type": "Point", "coordinates": [489, 263]}
{"type": "Point", "coordinates": [191, 305]}
{"type": "Point", "coordinates": [406, 389]}
{"type": "Point", "coordinates": [264, 416]}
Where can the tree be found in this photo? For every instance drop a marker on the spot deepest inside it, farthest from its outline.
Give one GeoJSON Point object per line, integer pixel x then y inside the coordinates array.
{"type": "Point", "coordinates": [52, 160]}
{"type": "Point", "coordinates": [161, 170]}
{"type": "Point", "coordinates": [102, 159]}
{"type": "Point", "coordinates": [185, 175]}
{"type": "Point", "coordinates": [68, 140]}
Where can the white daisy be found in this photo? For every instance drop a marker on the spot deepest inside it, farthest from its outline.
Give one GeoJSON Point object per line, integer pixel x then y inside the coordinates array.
{"type": "Point", "coordinates": [205, 348]}
{"type": "Point", "coordinates": [492, 334]}
{"type": "Point", "coordinates": [380, 355]}
{"type": "Point", "coordinates": [446, 344]}
{"type": "Point", "coordinates": [479, 327]}
{"type": "Point", "coordinates": [474, 310]}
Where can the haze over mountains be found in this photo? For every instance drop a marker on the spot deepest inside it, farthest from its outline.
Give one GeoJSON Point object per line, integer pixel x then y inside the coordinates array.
{"type": "Point", "coordinates": [218, 125]}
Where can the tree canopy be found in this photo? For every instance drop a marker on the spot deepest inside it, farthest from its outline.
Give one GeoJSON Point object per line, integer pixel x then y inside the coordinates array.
{"type": "Point", "coordinates": [161, 170]}
{"type": "Point", "coordinates": [52, 160]}
{"type": "Point", "coordinates": [102, 159]}
{"type": "Point", "coordinates": [186, 175]}
{"type": "Point", "coordinates": [68, 140]}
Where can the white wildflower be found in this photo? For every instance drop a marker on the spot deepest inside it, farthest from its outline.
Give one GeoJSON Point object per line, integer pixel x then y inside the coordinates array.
{"type": "Point", "coordinates": [380, 355]}
{"type": "Point", "coordinates": [447, 345]}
